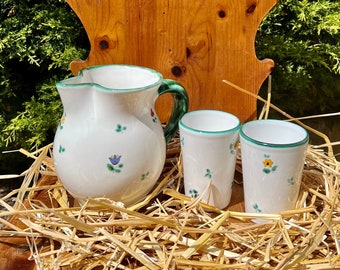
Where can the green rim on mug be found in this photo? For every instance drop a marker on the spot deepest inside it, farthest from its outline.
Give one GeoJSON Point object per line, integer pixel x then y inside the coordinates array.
{"type": "Point", "coordinates": [301, 139]}
{"type": "Point", "coordinates": [210, 113]}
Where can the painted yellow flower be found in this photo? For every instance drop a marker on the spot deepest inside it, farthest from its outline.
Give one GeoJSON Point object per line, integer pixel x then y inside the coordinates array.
{"type": "Point", "coordinates": [268, 163]}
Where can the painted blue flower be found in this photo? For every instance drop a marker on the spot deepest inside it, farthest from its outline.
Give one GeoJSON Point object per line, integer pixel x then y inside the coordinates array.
{"type": "Point", "coordinates": [115, 159]}
{"type": "Point", "coordinates": [114, 165]}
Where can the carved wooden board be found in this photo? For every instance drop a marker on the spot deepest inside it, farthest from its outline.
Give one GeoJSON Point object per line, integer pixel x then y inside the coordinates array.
{"type": "Point", "coordinates": [197, 42]}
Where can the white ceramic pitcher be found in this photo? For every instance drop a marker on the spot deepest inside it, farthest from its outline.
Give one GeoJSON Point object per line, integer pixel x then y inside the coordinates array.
{"type": "Point", "coordinates": [110, 142]}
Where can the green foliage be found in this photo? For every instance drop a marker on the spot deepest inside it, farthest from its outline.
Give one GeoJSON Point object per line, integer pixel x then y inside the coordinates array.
{"type": "Point", "coordinates": [302, 37]}
{"type": "Point", "coordinates": [35, 125]}
{"type": "Point", "coordinates": [38, 40]}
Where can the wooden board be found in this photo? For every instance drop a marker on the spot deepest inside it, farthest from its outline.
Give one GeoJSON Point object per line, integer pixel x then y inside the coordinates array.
{"type": "Point", "coordinates": [197, 42]}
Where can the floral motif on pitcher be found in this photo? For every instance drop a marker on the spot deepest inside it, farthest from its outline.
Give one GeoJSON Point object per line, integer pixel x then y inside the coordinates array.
{"type": "Point", "coordinates": [153, 116]}
{"type": "Point", "coordinates": [62, 121]}
{"type": "Point", "coordinates": [115, 165]}
{"type": "Point", "coordinates": [144, 176]}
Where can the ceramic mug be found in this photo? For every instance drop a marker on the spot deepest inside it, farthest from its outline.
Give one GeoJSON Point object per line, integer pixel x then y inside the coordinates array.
{"type": "Point", "coordinates": [272, 153]}
{"type": "Point", "coordinates": [208, 139]}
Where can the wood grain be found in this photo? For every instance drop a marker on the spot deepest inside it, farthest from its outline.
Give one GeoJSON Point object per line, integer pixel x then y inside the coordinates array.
{"type": "Point", "coordinates": [197, 42]}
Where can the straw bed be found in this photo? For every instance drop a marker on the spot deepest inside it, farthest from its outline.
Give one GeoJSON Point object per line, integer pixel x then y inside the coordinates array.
{"type": "Point", "coordinates": [171, 231]}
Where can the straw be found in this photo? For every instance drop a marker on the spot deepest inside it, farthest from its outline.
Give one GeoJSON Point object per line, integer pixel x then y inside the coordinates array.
{"type": "Point", "coordinates": [168, 230]}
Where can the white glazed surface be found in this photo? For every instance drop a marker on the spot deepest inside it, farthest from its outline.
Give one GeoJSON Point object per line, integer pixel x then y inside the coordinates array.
{"type": "Point", "coordinates": [109, 144]}
{"type": "Point", "coordinates": [273, 155]}
{"type": "Point", "coordinates": [208, 141]}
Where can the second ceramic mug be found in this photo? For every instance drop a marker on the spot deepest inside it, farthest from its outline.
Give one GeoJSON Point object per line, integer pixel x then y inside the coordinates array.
{"type": "Point", "coordinates": [272, 153]}
{"type": "Point", "coordinates": [208, 139]}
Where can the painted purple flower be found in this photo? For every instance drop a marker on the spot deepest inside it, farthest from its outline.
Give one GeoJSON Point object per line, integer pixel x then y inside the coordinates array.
{"type": "Point", "coordinates": [115, 159]}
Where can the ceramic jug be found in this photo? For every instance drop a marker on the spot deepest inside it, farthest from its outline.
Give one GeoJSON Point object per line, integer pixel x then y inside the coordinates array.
{"type": "Point", "coordinates": [110, 142]}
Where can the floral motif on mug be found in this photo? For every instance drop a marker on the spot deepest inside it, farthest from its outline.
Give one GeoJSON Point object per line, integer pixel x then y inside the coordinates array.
{"type": "Point", "coordinates": [120, 128]}
{"type": "Point", "coordinates": [268, 165]}
{"type": "Point", "coordinates": [61, 149]}
{"type": "Point", "coordinates": [256, 208]}
{"type": "Point", "coordinates": [291, 181]}
{"type": "Point", "coordinates": [193, 193]}
{"type": "Point", "coordinates": [208, 174]}
{"type": "Point", "coordinates": [153, 116]}
{"type": "Point", "coordinates": [182, 141]}
{"type": "Point", "coordinates": [115, 165]}
{"type": "Point", "coordinates": [232, 148]}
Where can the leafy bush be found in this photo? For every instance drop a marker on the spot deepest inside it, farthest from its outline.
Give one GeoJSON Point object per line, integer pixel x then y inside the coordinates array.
{"type": "Point", "coordinates": [302, 37]}
{"type": "Point", "coordinates": [38, 40]}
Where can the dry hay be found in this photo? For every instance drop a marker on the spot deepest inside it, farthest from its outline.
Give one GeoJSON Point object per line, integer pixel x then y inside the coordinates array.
{"type": "Point", "coordinates": [170, 231]}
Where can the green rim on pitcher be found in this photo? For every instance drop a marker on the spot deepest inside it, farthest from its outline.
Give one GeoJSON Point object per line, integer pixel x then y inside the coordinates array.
{"type": "Point", "coordinates": [155, 78]}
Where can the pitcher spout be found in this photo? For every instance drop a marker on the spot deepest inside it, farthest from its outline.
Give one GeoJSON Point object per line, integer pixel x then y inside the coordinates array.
{"type": "Point", "coordinates": [75, 95]}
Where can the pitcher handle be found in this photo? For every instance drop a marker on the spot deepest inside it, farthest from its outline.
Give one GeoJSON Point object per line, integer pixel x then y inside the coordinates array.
{"type": "Point", "coordinates": [181, 104]}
